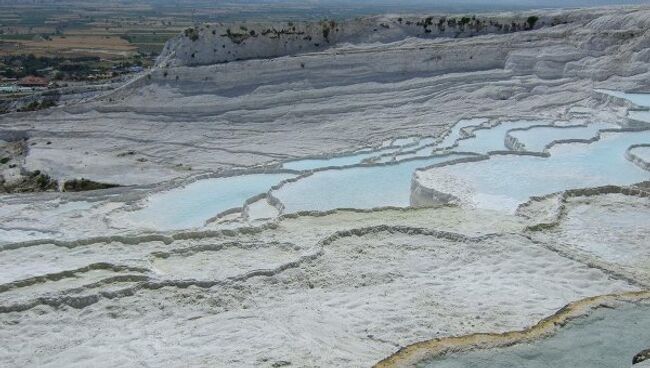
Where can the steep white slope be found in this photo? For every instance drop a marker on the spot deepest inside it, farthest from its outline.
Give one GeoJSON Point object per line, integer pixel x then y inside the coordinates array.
{"type": "Point", "coordinates": [216, 43]}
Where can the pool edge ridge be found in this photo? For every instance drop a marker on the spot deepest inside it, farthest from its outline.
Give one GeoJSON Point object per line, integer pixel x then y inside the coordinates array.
{"type": "Point", "coordinates": [411, 355]}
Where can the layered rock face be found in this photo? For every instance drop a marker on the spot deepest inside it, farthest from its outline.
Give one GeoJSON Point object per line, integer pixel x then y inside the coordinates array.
{"type": "Point", "coordinates": [218, 43]}
{"type": "Point", "coordinates": [589, 34]}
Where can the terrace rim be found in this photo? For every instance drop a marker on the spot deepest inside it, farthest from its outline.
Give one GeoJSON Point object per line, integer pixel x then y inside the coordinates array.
{"type": "Point", "coordinates": [414, 354]}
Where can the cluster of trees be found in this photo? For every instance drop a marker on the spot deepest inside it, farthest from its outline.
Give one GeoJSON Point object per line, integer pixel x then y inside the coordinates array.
{"type": "Point", "coordinates": [79, 185]}
{"type": "Point", "coordinates": [467, 22]}
{"type": "Point", "coordinates": [36, 105]}
{"type": "Point", "coordinates": [59, 68]}
{"type": "Point", "coordinates": [18, 66]}
{"type": "Point", "coordinates": [23, 65]}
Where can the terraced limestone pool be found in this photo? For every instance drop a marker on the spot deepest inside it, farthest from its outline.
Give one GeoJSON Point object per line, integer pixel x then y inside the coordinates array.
{"type": "Point", "coordinates": [339, 161]}
{"type": "Point", "coordinates": [643, 152]}
{"type": "Point", "coordinates": [639, 115]}
{"type": "Point", "coordinates": [423, 148]}
{"type": "Point", "coordinates": [608, 338]}
{"type": "Point", "coordinates": [504, 181]}
{"type": "Point", "coordinates": [358, 187]}
{"type": "Point", "coordinates": [454, 133]}
{"type": "Point", "coordinates": [390, 151]}
{"type": "Point", "coordinates": [190, 206]}
{"type": "Point", "coordinates": [387, 149]}
{"type": "Point", "coordinates": [641, 99]}
{"type": "Point", "coordinates": [537, 138]}
{"type": "Point", "coordinates": [427, 146]}
{"type": "Point", "coordinates": [492, 139]}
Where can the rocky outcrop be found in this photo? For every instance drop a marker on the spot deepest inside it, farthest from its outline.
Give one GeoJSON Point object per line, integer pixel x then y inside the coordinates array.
{"type": "Point", "coordinates": [641, 357]}
{"type": "Point", "coordinates": [218, 43]}
{"type": "Point", "coordinates": [80, 185]}
{"type": "Point", "coordinates": [14, 178]}
{"type": "Point", "coordinates": [596, 38]}
{"type": "Point", "coordinates": [34, 181]}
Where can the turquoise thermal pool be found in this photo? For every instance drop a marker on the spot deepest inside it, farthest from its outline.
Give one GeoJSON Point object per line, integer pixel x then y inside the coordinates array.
{"type": "Point", "coordinates": [643, 152]}
{"type": "Point", "coordinates": [454, 134]}
{"type": "Point", "coordinates": [504, 181]}
{"type": "Point", "coordinates": [359, 187]}
{"type": "Point", "coordinates": [501, 182]}
{"type": "Point", "coordinates": [641, 99]}
{"type": "Point", "coordinates": [384, 154]}
{"type": "Point", "coordinates": [392, 150]}
{"type": "Point", "coordinates": [492, 139]}
{"type": "Point", "coordinates": [639, 115]}
{"type": "Point", "coordinates": [339, 161]}
{"type": "Point", "coordinates": [537, 138]}
{"type": "Point", "coordinates": [191, 205]}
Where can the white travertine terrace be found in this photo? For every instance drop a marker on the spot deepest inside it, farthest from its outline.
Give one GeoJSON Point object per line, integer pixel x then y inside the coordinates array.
{"type": "Point", "coordinates": [226, 243]}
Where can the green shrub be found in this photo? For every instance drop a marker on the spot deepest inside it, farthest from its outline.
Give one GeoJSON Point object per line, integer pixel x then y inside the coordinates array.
{"type": "Point", "coordinates": [192, 34]}
{"type": "Point", "coordinates": [326, 33]}
{"type": "Point", "coordinates": [47, 104]}
{"type": "Point", "coordinates": [531, 21]}
{"type": "Point", "coordinates": [79, 185]}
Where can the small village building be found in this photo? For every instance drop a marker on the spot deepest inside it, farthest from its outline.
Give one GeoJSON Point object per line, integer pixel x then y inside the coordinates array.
{"type": "Point", "coordinates": [33, 81]}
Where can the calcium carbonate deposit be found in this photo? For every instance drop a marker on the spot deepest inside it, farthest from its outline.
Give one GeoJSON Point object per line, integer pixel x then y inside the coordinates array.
{"type": "Point", "coordinates": [431, 191]}
{"type": "Point", "coordinates": [593, 332]}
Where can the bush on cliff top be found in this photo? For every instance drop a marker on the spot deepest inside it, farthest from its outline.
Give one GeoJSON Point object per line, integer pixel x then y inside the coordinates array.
{"type": "Point", "coordinates": [531, 21]}
{"type": "Point", "coordinates": [192, 34]}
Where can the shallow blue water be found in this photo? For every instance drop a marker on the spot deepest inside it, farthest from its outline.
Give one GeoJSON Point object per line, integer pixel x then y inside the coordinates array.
{"type": "Point", "coordinates": [423, 148]}
{"type": "Point", "coordinates": [353, 159]}
{"type": "Point", "coordinates": [641, 99]}
{"type": "Point", "coordinates": [536, 139]}
{"type": "Point", "coordinates": [608, 338]}
{"type": "Point", "coordinates": [501, 182]}
{"type": "Point", "coordinates": [642, 152]}
{"type": "Point", "coordinates": [640, 115]}
{"type": "Point", "coordinates": [454, 134]}
{"type": "Point", "coordinates": [360, 187]}
{"type": "Point", "coordinates": [191, 205]}
{"type": "Point", "coordinates": [492, 139]}
{"type": "Point", "coordinates": [506, 180]}
{"type": "Point", "coordinates": [422, 152]}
